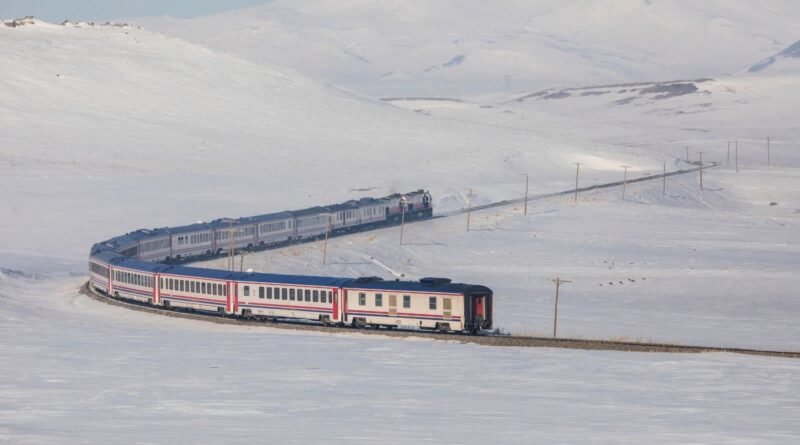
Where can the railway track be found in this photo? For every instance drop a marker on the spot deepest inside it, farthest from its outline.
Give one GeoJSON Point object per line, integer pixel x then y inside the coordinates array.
{"type": "Point", "coordinates": [590, 188]}
{"type": "Point", "coordinates": [485, 340]}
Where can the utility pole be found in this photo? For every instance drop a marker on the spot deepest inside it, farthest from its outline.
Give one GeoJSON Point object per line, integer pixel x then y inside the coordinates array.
{"type": "Point", "coordinates": [469, 206]}
{"type": "Point", "coordinates": [558, 282]}
{"type": "Point", "coordinates": [687, 154]}
{"type": "Point", "coordinates": [230, 245]}
{"type": "Point", "coordinates": [325, 245]}
{"type": "Point", "coordinates": [525, 212]}
{"type": "Point", "coordinates": [728, 159]}
{"type": "Point", "coordinates": [701, 169]}
{"type": "Point", "coordinates": [664, 180]}
{"type": "Point", "coordinates": [577, 171]}
{"type": "Point", "coordinates": [736, 154]}
{"type": "Point", "coordinates": [768, 161]}
{"type": "Point", "coordinates": [624, 179]}
{"type": "Point", "coordinates": [403, 205]}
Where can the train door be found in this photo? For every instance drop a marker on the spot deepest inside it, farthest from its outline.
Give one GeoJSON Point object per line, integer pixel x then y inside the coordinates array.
{"type": "Point", "coordinates": [447, 307]}
{"type": "Point", "coordinates": [344, 306]}
{"type": "Point", "coordinates": [335, 305]}
{"type": "Point", "coordinates": [392, 305]}
{"type": "Point", "coordinates": [479, 308]}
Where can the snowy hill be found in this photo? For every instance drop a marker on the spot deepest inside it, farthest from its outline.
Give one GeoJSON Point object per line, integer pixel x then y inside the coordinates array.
{"type": "Point", "coordinates": [458, 48]}
{"type": "Point", "coordinates": [117, 111]}
{"type": "Point", "coordinates": [106, 129]}
{"type": "Point", "coordinates": [790, 55]}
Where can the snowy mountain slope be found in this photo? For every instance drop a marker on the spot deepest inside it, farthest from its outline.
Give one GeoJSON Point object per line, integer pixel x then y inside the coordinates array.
{"type": "Point", "coordinates": [157, 125]}
{"type": "Point", "coordinates": [457, 48]}
{"type": "Point", "coordinates": [788, 56]}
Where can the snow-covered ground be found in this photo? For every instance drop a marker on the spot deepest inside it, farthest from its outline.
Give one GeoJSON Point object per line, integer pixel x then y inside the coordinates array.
{"type": "Point", "coordinates": [109, 129]}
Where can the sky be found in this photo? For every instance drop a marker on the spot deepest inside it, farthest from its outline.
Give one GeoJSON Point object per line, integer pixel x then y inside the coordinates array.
{"type": "Point", "coordinates": [96, 10]}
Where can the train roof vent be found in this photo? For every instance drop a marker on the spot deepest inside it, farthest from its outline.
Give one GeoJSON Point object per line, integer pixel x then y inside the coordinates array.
{"type": "Point", "coordinates": [360, 280]}
{"type": "Point", "coordinates": [434, 281]}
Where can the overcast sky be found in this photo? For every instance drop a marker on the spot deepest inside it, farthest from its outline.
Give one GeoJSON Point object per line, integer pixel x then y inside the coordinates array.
{"type": "Point", "coordinates": [97, 10]}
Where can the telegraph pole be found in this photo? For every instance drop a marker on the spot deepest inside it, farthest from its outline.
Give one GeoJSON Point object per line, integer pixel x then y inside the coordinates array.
{"type": "Point", "coordinates": [624, 179]}
{"type": "Point", "coordinates": [664, 180]}
{"type": "Point", "coordinates": [325, 245]}
{"type": "Point", "coordinates": [577, 171]}
{"type": "Point", "coordinates": [728, 159]}
{"type": "Point", "coordinates": [469, 206]}
{"type": "Point", "coordinates": [687, 154]}
{"type": "Point", "coordinates": [230, 245]}
{"type": "Point", "coordinates": [525, 212]}
{"type": "Point", "coordinates": [701, 169]}
{"type": "Point", "coordinates": [768, 162]}
{"type": "Point", "coordinates": [558, 282]}
{"type": "Point", "coordinates": [403, 205]}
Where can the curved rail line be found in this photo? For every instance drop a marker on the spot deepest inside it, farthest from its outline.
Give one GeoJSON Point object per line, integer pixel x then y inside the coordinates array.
{"type": "Point", "coordinates": [485, 340]}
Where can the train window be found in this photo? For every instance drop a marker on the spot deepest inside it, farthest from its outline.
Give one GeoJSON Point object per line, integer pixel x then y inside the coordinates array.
{"type": "Point", "coordinates": [323, 297]}
{"type": "Point", "coordinates": [316, 296]}
{"type": "Point", "coordinates": [217, 289]}
{"type": "Point", "coordinates": [299, 294]}
{"type": "Point", "coordinates": [291, 294]}
{"type": "Point", "coordinates": [432, 303]}
{"type": "Point", "coordinates": [269, 293]}
{"type": "Point", "coordinates": [330, 297]}
{"type": "Point", "coordinates": [246, 291]}
{"type": "Point", "coordinates": [378, 300]}
{"type": "Point", "coordinates": [202, 288]}
{"type": "Point", "coordinates": [284, 293]}
{"type": "Point", "coordinates": [261, 292]}
{"type": "Point", "coordinates": [181, 285]}
{"type": "Point", "coordinates": [406, 301]}
{"type": "Point", "coordinates": [160, 282]}
{"type": "Point", "coordinates": [362, 299]}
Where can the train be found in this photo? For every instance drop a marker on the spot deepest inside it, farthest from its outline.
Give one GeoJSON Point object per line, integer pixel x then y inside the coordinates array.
{"type": "Point", "coordinates": [148, 266]}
